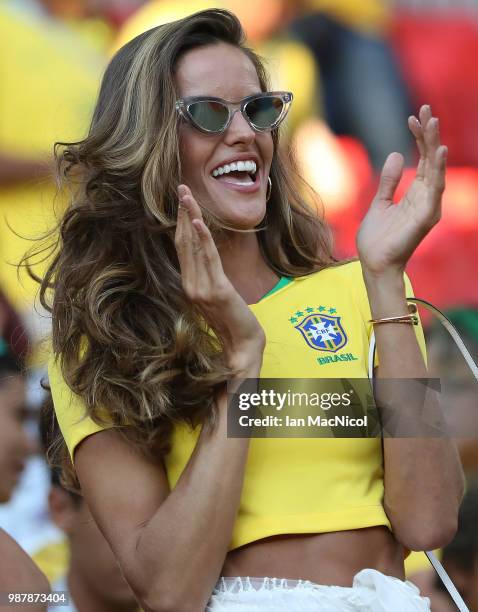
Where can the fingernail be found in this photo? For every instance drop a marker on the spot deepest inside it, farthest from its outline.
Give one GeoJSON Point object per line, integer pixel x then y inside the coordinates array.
{"type": "Point", "coordinates": [182, 191]}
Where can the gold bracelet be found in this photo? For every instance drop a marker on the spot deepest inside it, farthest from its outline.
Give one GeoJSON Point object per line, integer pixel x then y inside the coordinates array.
{"type": "Point", "coordinates": [410, 319]}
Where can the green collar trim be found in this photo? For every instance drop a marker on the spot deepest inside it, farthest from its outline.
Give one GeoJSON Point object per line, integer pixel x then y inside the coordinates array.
{"type": "Point", "coordinates": [284, 280]}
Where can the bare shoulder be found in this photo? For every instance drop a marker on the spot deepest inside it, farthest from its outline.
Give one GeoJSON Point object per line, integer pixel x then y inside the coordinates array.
{"type": "Point", "coordinates": [18, 573]}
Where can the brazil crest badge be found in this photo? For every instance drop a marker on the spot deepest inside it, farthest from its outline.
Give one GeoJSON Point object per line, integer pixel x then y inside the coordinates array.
{"type": "Point", "coordinates": [323, 332]}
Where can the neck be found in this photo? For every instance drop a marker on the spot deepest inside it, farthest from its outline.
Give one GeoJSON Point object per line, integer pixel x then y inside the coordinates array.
{"type": "Point", "coordinates": [85, 599]}
{"type": "Point", "coordinates": [245, 267]}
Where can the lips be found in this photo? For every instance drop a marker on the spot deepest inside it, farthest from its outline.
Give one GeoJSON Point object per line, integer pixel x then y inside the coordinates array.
{"type": "Point", "coordinates": [231, 185]}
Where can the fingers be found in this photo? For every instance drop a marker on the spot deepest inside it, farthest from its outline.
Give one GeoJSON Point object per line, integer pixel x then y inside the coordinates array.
{"type": "Point", "coordinates": [439, 169]}
{"type": "Point", "coordinates": [425, 114]}
{"type": "Point", "coordinates": [390, 177]}
{"type": "Point", "coordinates": [192, 211]}
{"type": "Point", "coordinates": [201, 267]}
{"type": "Point", "coordinates": [427, 135]}
{"type": "Point", "coordinates": [183, 242]}
{"type": "Point", "coordinates": [208, 248]}
{"type": "Point", "coordinates": [416, 129]}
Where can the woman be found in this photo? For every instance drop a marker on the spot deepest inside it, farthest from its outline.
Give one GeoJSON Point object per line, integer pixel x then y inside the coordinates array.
{"type": "Point", "coordinates": [150, 319]}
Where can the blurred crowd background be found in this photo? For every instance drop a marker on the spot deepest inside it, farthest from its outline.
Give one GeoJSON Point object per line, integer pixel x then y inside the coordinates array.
{"type": "Point", "coordinates": [358, 69]}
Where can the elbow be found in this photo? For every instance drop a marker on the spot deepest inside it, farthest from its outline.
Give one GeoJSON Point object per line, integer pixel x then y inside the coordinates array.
{"type": "Point", "coordinates": [155, 600]}
{"type": "Point", "coordinates": [422, 526]}
{"type": "Point", "coordinates": [433, 537]}
{"type": "Point", "coordinates": [169, 602]}
{"type": "Point", "coordinates": [164, 588]}
{"type": "Point", "coordinates": [426, 535]}
{"type": "Point", "coordinates": [170, 597]}
{"type": "Point", "coordinates": [152, 604]}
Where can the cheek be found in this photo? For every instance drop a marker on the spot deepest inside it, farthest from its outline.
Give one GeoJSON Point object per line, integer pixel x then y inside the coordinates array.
{"type": "Point", "coordinates": [266, 148]}
{"type": "Point", "coordinates": [4, 455]}
{"type": "Point", "coordinates": [10, 436]}
{"type": "Point", "coordinates": [195, 153]}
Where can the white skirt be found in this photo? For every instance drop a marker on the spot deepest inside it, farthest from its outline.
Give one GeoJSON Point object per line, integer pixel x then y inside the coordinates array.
{"type": "Point", "coordinates": [371, 591]}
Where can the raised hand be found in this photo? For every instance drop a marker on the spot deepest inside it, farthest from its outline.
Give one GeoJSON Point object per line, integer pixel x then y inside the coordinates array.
{"type": "Point", "coordinates": [389, 232]}
{"type": "Point", "coordinates": [206, 285]}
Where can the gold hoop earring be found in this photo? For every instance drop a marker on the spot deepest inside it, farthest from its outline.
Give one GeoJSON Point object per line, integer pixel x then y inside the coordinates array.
{"type": "Point", "coordinates": [269, 189]}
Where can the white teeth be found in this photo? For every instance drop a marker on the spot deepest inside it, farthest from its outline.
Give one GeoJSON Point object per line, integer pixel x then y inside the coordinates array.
{"type": "Point", "coordinates": [241, 166]}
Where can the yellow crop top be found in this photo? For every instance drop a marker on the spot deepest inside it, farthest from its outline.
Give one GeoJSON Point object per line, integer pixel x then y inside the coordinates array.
{"type": "Point", "coordinates": [291, 485]}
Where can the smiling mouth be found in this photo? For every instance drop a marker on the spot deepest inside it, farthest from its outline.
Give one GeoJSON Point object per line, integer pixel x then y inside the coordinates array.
{"type": "Point", "coordinates": [236, 173]}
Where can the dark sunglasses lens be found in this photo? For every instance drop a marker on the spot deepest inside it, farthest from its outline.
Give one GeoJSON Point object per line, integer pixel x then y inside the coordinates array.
{"type": "Point", "coordinates": [209, 115]}
{"type": "Point", "coordinates": [264, 112]}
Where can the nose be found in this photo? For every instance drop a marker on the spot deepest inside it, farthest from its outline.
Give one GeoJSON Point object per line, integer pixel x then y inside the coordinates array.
{"type": "Point", "coordinates": [239, 130]}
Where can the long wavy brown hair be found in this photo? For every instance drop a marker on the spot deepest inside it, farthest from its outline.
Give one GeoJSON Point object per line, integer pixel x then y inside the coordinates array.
{"type": "Point", "coordinates": [126, 337]}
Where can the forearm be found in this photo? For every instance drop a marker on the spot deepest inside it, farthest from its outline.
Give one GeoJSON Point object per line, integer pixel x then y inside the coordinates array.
{"type": "Point", "coordinates": [423, 476]}
{"type": "Point", "coordinates": [184, 545]}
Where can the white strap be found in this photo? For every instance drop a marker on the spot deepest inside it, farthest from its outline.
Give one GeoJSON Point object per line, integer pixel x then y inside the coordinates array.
{"type": "Point", "coordinates": [445, 578]}
{"type": "Point", "coordinates": [437, 566]}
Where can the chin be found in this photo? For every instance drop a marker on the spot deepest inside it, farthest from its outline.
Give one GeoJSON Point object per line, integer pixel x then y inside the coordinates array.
{"type": "Point", "coordinates": [245, 215]}
{"type": "Point", "coordinates": [244, 222]}
{"type": "Point", "coordinates": [235, 210]}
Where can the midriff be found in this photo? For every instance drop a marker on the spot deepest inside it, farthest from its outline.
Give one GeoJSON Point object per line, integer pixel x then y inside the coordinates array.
{"type": "Point", "coordinates": [325, 558]}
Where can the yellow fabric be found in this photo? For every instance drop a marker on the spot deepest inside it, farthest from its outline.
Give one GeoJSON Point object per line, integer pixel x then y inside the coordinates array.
{"type": "Point", "coordinates": [418, 561]}
{"type": "Point", "coordinates": [307, 485]}
{"type": "Point", "coordinates": [368, 16]}
{"type": "Point", "coordinates": [53, 560]}
{"type": "Point", "coordinates": [49, 78]}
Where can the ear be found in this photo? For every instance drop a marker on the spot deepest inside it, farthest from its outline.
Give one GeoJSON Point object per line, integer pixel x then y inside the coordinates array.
{"type": "Point", "coordinates": [62, 509]}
